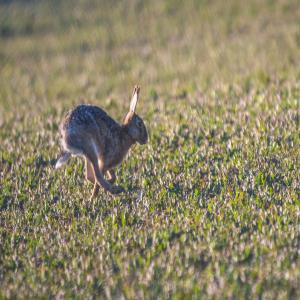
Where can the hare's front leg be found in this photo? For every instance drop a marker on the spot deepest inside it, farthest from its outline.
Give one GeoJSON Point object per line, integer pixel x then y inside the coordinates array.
{"type": "Point", "coordinates": [98, 175]}
{"type": "Point", "coordinates": [111, 176]}
{"type": "Point", "coordinates": [89, 175]}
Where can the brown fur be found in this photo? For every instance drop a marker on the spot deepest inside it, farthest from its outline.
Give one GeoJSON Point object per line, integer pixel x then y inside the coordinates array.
{"type": "Point", "coordinates": [89, 132]}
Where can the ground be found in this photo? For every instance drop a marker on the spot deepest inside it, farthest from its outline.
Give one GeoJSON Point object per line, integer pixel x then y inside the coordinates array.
{"type": "Point", "coordinates": [212, 202]}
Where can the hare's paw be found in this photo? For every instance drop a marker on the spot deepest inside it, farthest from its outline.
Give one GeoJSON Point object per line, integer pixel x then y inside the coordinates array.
{"type": "Point", "coordinates": [117, 190]}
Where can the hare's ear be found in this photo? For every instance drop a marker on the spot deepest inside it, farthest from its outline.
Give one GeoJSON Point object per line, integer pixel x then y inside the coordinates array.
{"type": "Point", "coordinates": [134, 98]}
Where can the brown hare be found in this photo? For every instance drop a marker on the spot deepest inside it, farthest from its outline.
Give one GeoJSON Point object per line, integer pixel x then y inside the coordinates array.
{"type": "Point", "coordinates": [87, 131]}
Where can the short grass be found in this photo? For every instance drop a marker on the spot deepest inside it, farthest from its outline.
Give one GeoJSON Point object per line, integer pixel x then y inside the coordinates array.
{"type": "Point", "coordinates": [212, 205]}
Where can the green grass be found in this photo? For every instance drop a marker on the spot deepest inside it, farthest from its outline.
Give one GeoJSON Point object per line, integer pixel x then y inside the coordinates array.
{"type": "Point", "coordinates": [212, 207]}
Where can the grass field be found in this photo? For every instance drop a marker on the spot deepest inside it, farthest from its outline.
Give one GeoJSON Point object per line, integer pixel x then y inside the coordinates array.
{"type": "Point", "coordinates": [212, 208]}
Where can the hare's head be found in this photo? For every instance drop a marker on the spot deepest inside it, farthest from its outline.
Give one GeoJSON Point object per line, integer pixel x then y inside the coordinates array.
{"type": "Point", "coordinates": [135, 125]}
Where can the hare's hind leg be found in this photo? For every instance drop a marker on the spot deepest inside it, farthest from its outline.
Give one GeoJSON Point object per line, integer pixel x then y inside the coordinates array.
{"type": "Point", "coordinates": [78, 145]}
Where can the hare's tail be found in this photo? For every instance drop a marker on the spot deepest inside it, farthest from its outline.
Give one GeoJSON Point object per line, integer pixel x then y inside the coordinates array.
{"type": "Point", "coordinates": [63, 159]}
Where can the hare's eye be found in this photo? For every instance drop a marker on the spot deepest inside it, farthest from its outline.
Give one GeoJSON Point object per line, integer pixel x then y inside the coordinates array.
{"type": "Point", "coordinates": [139, 123]}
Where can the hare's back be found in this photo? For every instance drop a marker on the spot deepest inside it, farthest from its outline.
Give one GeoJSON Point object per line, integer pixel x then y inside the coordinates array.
{"type": "Point", "coordinates": [86, 115]}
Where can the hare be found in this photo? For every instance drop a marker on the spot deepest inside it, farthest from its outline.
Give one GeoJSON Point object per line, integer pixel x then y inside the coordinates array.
{"type": "Point", "coordinates": [89, 132]}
